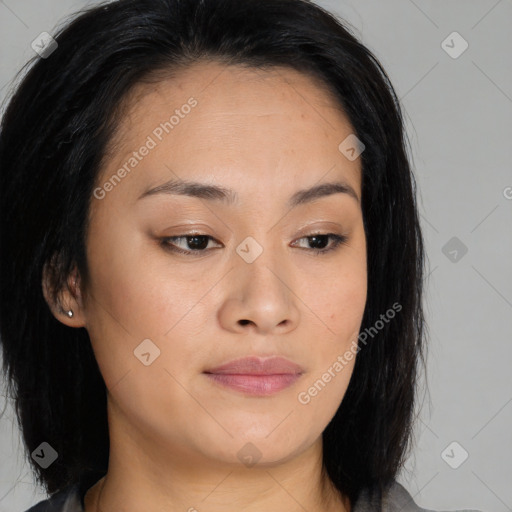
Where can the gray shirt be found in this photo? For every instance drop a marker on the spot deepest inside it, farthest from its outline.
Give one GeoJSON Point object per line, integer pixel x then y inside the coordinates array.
{"type": "Point", "coordinates": [398, 499]}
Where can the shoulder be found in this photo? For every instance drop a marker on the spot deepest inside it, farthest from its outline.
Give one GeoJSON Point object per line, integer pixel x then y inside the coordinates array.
{"type": "Point", "coordinates": [398, 499]}
{"type": "Point", "coordinates": [67, 500]}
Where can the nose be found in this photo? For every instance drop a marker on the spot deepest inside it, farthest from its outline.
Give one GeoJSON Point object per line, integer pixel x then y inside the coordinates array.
{"type": "Point", "coordinates": [260, 297]}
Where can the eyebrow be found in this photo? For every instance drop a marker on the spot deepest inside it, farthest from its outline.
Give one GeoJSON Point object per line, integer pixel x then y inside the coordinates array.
{"type": "Point", "coordinates": [229, 196]}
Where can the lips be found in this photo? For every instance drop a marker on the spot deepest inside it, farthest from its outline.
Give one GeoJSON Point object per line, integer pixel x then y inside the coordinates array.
{"type": "Point", "coordinates": [255, 365]}
{"type": "Point", "coordinates": [256, 376]}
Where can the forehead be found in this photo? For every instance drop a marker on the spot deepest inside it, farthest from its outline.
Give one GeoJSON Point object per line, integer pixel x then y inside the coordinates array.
{"type": "Point", "coordinates": [275, 124]}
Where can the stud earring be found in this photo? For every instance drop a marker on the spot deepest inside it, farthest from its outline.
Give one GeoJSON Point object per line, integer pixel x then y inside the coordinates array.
{"type": "Point", "coordinates": [69, 313]}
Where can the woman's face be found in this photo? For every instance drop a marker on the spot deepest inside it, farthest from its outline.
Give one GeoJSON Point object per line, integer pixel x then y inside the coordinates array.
{"type": "Point", "coordinates": [252, 283]}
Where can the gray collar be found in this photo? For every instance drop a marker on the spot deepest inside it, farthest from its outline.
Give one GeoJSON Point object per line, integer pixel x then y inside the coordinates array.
{"type": "Point", "coordinates": [398, 499]}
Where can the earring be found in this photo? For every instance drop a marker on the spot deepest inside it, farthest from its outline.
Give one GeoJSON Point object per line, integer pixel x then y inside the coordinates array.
{"type": "Point", "coordinates": [69, 313]}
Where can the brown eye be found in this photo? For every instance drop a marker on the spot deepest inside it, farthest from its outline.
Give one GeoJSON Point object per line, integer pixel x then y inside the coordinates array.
{"type": "Point", "coordinates": [321, 240]}
{"type": "Point", "coordinates": [195, 243]}
{"type": "Point", "coordinates": [198, 243]}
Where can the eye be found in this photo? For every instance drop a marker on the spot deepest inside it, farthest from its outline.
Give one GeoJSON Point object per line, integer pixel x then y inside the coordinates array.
{"type": "Point", "coordinates": [198, 243]}
{"type": "Point", "coordinates": [320, 240]}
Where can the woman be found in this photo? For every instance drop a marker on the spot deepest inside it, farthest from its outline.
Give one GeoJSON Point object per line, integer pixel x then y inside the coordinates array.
{"type": "Point", "coordinates": [271, 366]}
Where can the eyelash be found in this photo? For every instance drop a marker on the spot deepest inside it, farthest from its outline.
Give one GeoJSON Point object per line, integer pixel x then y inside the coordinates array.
{"type": "Point", "coordinates": [165, 242]}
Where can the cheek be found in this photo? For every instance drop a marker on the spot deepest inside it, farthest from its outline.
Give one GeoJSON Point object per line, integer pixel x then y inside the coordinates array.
{"type": "Point", "coordinates": [346, 309]}
{"type": "Point", "coordinates": [335, 289]}
{"type": "Point", "coordinates": [338, 299]}
{"type": "Point", "coordinates": [129, 302]}
{"type": "Point", "coordinates": [323, 390]}
{"type": "Point", "coordinates": [140, 297]}
{"type": "Point", "coordinates": [336, 350]}
{"type": "Point", "coordinates": [340, 308]}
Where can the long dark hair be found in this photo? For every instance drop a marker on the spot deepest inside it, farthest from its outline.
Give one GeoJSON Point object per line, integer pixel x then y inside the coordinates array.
{"type": "Point", "coordinates": [54, 137]}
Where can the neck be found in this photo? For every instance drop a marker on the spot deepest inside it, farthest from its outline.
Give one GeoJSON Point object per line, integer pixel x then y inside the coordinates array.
{"type": "Point", "coordinates": [148, 473]}
{"type": "Point", "coordinates": [296, 485]}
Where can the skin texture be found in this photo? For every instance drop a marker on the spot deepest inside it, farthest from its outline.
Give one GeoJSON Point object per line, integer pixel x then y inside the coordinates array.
{"type": "Point", "coordinates": [175, 435]}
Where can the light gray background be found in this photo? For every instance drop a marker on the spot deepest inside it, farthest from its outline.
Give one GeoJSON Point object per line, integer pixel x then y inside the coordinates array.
{"type": "Point", "coordinates": [459, 120]}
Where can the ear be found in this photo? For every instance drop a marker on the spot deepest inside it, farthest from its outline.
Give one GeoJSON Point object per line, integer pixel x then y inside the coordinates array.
{"type": "Point", "coordinates": [69, 298]}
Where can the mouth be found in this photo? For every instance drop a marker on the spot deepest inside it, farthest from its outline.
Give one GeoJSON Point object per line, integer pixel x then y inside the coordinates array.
{"type": "Point", "coordinates": [255, 375]}
{"type": "Point", "coordinates": [260, 385]}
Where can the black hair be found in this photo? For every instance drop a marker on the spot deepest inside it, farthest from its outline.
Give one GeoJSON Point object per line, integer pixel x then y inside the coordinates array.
{"type": "Point", "coordinates": [54, 136]}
